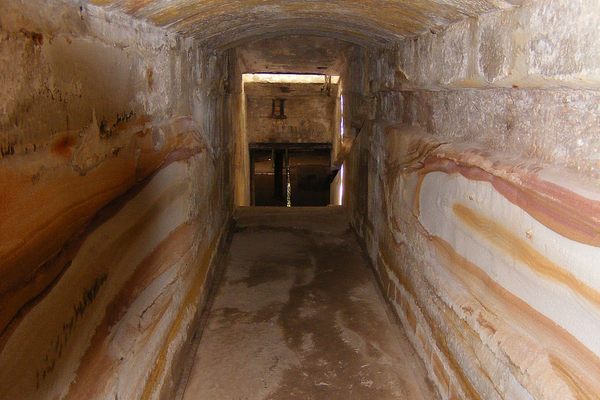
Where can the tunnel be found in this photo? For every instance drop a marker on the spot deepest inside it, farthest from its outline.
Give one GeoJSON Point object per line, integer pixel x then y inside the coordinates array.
{"type": "Point", "coordinates": [342, 199]}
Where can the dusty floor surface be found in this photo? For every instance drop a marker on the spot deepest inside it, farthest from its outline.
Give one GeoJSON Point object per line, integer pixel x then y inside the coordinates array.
{"type": "Point", "coordinates": [298, 316]}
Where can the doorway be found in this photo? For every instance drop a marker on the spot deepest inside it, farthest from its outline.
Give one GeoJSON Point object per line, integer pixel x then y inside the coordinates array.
{"type": "Point", "coordinates": [290, 175]}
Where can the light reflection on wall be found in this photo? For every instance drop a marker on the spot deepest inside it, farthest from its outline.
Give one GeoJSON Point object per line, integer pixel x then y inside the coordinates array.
{"type": "Point", "coordinates": [341, 191]}
{"type": "Point", "coordinates": [288, 187]}
{"type": "Point", "coordinates": [342, 116]}
{"type": "Point", "coordinates": [289, 78]}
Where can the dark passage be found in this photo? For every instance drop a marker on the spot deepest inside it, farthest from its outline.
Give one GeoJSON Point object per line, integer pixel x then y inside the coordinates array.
{"type": "Point", "coordinates": [290, 175]}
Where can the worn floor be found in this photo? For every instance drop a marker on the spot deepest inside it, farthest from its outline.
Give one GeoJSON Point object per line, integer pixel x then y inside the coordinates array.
{"type": "Point", "coordinates": [298, 315]}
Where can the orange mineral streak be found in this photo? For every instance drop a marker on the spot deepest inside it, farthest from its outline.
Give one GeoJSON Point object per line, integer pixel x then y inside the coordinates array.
{"type": "Point", "coordinates": [417, 199]}
{"type": "Point", "coordinates": [189, 302]}
{"type": "Point", "coordinates": [22, 284]}
{"type": "Point", "coordinates": [98, 363]}
{"type": "Point", "coordinates": [37, 234]}
{"type": "Point", "coordinates": [565, 352]}
{"type": "Point", "coordinates": [559, 209]}
{"type": "Point", "coordinates": [521, 251]}
{"type": "Point", "coordinates": [63, 146]}
{"type": "Point", "coordinates": [581, 390]}
{"type": "Point", "coordinates": [441, 341]}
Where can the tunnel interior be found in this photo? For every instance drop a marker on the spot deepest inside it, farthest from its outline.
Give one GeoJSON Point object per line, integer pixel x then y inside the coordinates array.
{"type": "Point", "coordinates": [452, 146]}
{"type": "Point", "coordinates": [291, 122]}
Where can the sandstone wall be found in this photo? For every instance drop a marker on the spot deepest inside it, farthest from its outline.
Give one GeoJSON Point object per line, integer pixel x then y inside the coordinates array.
{"type": "Point", "coordinates": [239, 132]}
{"type": "Point", "coordinates": [309, 113]}
{"type": "Point", "coordinates": [528, 60]}
{"type": "Point", "coordinates": [304, 54]}
{"type": "Point", "coordinates": [115, 169]}
{"type": "Point", "coordinates": [474, 186]}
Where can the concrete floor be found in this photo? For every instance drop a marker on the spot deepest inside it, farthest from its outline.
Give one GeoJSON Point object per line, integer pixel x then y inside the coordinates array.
{"type": "Point", "coordinates": [298, 315]}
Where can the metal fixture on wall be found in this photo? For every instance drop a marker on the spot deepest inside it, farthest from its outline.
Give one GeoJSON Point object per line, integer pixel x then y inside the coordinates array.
{"type": "Point", "coordinates": [326, 88]}
{"type": "Point", "coordinates": [278, 109]}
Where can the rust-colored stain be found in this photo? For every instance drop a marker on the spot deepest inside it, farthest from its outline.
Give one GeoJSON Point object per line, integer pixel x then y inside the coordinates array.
{"type": "Point", "coordinates": [150, 77]}
{"type": "Point", "coordinates": [36, 37]}
{"type": "Point", "coordinates": [439, 371]}
{"type": "Point", "coordinates": [63, 146]}
{"type": "Point", "coordinates": [572, 361]}
{"type": "Point", "coordinates": [17, 290]}
{"type": "Point", "coordinates": [439, 338]}
{"type": "Point", "coordinates": [191, 297]}
{"type": "Point", "coordinates": [98, 358]}
{"type": "Point", "coordinates": [559, 209]}
{"type": "Point", "coordinates": [521, 251]}
{"type": "Point", "coordinates": [578, 386]}
{"type": "Point", "coordinates": [486, 324]}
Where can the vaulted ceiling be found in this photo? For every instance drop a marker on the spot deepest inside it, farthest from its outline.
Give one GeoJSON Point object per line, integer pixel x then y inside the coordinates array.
{"type": "Point", "coordinates": [225, 23]}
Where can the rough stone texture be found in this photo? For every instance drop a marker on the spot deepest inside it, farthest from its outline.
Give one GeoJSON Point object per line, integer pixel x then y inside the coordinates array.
{"type": "Point", "coordinates": [116, 143]}
{"type": "Point", "coordinates": [298, 316]}
{"type": "Point", "coordinates": [241, 162]}
{"type": "Point", "coordinates": [56, 81]}
{"type": "Point", "coordinates": [309, 112]}
{"type": "Point", "coordinates": [489, 260]}
{"type": "Point", "coordinates": [555, 126]}
{"type": "Point", "coordinates": [116, 310]}
{"type": "Point", "coordinates": [366, 22]}
{"type": "Point", "coordinates": [539, 114]}
{"type": "Point", "coordinates": [115, 169]}
{"type": "Point", "coordinates": [480, 212]}
{"type": "Point", "coordinates": [546, 44]}
{"type": "Point", "coordinates": [295, 53]}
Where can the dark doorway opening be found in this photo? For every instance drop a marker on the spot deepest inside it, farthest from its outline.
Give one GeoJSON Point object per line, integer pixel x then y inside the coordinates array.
{"type": "Point", "coordinates": [292, 175]}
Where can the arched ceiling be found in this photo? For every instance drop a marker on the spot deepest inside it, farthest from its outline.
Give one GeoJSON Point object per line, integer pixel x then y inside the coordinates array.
{"type": "Point", "coordinates": [295, 53]}
{"type": "Point", "coordinates": [222, 23]}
